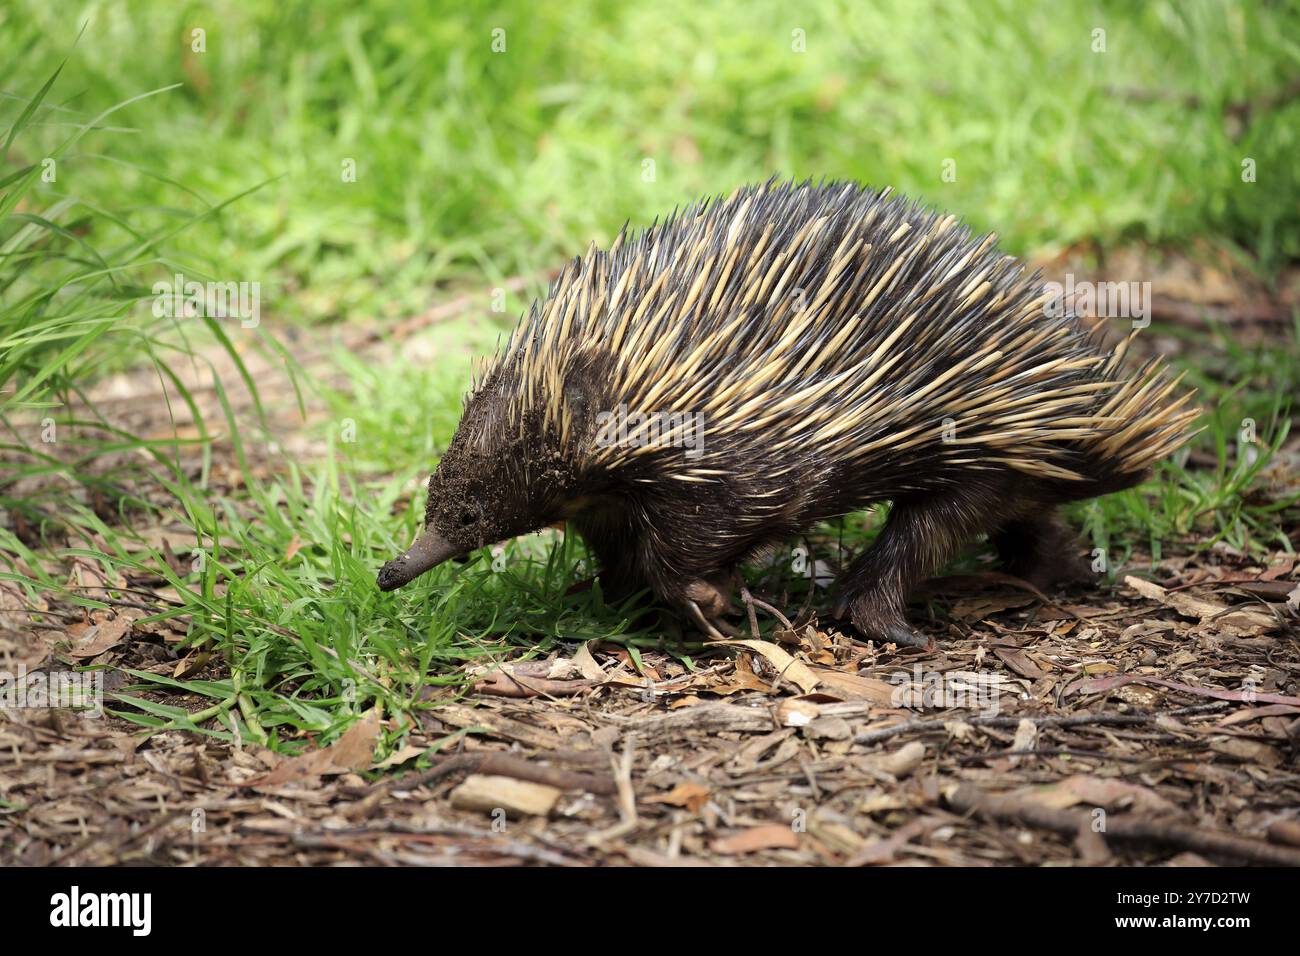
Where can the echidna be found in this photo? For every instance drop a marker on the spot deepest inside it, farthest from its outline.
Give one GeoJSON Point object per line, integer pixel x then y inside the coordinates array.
{"type": "Point", "coordinates": [789, 353]}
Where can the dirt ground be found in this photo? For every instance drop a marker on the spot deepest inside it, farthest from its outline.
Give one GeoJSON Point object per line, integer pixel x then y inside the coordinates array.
{"type": "Point", "coordinates": [1139, 724]}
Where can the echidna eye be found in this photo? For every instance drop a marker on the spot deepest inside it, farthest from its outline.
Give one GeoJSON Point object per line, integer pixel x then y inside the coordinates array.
{"type": "Point", "coordinates": [467, 518]}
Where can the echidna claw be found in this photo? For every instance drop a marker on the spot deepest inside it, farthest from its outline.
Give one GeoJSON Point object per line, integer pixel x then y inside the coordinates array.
{"type": "Point", "coordinates": [906, 637]}
{"type": "Point", "coordinates": [881, 631]}
{"type": "Point", "coordinates": [704, 623]}
{"type": "Point", "coordinates": [726, 627]}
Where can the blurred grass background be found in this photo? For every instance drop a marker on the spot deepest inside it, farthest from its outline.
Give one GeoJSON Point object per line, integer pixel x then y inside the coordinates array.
{"type": "Point", "coordinates": [485, 164]}
{"type": "Point", "coordinates": [213, 139]}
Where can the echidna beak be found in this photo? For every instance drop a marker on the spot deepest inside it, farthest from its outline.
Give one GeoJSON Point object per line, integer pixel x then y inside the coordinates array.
{"type": "Point", "coordinates": [429, 550]}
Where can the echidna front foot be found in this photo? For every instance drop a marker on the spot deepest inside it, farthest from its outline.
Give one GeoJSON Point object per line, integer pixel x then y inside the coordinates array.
{"type": "Point", "coordinates": [879, 624]}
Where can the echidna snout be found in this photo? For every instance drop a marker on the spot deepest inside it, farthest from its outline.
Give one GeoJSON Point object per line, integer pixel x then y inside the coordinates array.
{"type": "Point", "coordinates": [428, 551]}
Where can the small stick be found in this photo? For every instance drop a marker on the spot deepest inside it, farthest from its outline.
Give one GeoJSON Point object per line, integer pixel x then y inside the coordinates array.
{"type": "Point", "coordinates": [749, 606]}
{"type": "Point", "coordinates": [504, 765]}
{"type": "Point", "coordinates": [117, 846]}
{"type": "Point", "coordinates": [1077, 720]}
{"type": "Point", "coordinates": [967, 799]}
{"type": "Point", "coordinates": [1067, 752]}
{"type": "Point", "coordinates": [626, 799]}
{"type": "Point", "coordinates": [751, 602]}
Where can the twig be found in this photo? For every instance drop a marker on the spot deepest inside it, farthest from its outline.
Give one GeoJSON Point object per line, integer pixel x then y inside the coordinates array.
{"type": "Point", "coordinates": [701, 717]}
{"type": "Point", "coordinates": [120, 844]}
{"type": "Point", "coordinates": [748, 600]}
{"type": "Point", "coordinates": [1077, 720]}
{"type": "Point", "coordinates": [1069, 752]}
{"type": "Point", "coordinates": [504, 765]}
{"type": "Point", "coordinates": [770, 609]}
{"type": "Point", "coordinates": [345, 839]}
{"type": "Point", "coordinates": [626, 799]}
{"type": "Point", "coordinates": [967, 799]}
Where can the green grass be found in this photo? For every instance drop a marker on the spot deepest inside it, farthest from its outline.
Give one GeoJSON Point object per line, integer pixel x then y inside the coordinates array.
{"type": "Point", "coordinates": [471, 163]}
{"type": "Point", "coordinates": [473, 167]}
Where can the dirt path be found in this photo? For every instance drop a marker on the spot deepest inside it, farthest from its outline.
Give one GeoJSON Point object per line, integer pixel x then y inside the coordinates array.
{"type": "Point", "coordinates": [1157, 715]}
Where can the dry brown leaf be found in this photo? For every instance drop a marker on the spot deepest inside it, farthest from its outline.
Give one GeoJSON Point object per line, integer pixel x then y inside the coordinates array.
{"type": "Point", "coordinates": [1138, 696]}
{"type": "Point", "coordinates": [586, 663]}
{"type": "Point", "coordinates": [852, 685]}
{"type": "Point", "coordinates": [1101, 684]}
{"type": "Point", "coordinates": [1019, 662]}
{"type": "Point", "coordinates": [883, 851]}
{"type": "Point", "coordinates": [634, 664]}
{"type": "Point", "coordinates": [790, 669]}
{"type": "Point", "coordinates": [692, 796]}
{"type": "Point", "coordinates": [1279, 570]}
{"type": "Point", "coordinates": [1285, 831]}
{"type": "Point", "coordinates": [1092, 846]}
{"type": "Point", "coordinates": [105, 633]}
{"type": "Point", "coordinates": [899, 763]}
{"type": "Point", "coordinates": [976, 609]}
{"type": "Point", "coordinates": [743, 678]}
{"type": "Point", "coordinates": [1249, 751]}
{"type": "Point", "coordinates": [772, 836]}
{"type": "Point", "coordinates": [506, 681]}
{"type": "Point", "coordinates": [1098, 667]}
{"type": "Point", "coordinates": [1025, 739]}
{"type": "Point", "coordinates": [89, 580]}
{"type": "Point", "coordinates": [355, 750]}
{"type": "Point", "coordinates": [399, 757]}
{"type": "Point", "coordinates": [958, 729]}
{"type": "Point", "coordinates": [191, 664]}
{"type": "Point", "coordinates": [1099, 792]}
{"type": "Point", "coordinates": [1243, 622]}
{"type": "Point", "coordinates": [1255, 713]}
{"type": "Point", "coordinates": [878, 802]}
{"type": "Point", "coordinates": [829, 728]}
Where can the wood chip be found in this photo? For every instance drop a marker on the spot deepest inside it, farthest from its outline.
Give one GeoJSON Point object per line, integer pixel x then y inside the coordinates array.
{"type": "Point", "coordinates": [517, 798]}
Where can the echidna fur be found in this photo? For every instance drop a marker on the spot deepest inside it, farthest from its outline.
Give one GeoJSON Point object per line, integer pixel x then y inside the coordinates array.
{"type": "Point", "coordinates": [843, 347]}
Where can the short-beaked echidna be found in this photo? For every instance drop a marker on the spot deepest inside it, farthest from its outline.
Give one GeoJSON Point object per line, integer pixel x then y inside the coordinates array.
{"type": "Point", "coordinates": [792, 352]}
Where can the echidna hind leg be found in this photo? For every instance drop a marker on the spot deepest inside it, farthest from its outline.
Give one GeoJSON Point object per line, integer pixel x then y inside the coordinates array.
{"type": "Point", "coordinates": [921, 535]}
{"type": "Point", "coordinates": [1041, 549]}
